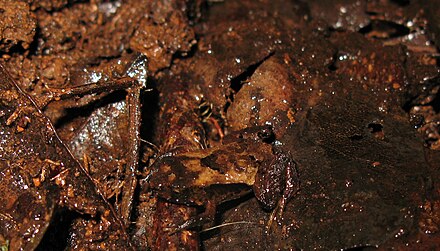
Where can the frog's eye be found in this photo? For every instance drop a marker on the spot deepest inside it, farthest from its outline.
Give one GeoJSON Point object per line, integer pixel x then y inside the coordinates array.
{"type": "Point", "coordinates": [267, 135]}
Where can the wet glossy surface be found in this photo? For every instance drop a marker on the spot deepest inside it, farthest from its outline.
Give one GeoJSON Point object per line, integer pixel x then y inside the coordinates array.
{"type": "Point", "coordinates": [38, 173]}
{"type": "Point", "coordinates": [349, 90]}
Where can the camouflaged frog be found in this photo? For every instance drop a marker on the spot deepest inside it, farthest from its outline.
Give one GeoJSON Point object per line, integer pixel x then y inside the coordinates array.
{"type": "Point", "coordinates": [247, 157]}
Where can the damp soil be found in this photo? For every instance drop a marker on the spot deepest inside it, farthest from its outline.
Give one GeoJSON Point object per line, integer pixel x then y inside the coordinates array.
{"type": "Point", "coordinates": [212, 125]}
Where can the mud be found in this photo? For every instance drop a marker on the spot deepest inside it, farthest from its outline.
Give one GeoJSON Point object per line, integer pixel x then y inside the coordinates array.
{"type": "Point", "coordinates": [192, 124]}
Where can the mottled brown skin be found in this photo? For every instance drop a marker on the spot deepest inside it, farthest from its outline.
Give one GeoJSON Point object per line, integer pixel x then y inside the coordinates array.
{"type": "Point", "coordinates": [196, 178]}
{"type": "Point", "coordinates": [277, 183]}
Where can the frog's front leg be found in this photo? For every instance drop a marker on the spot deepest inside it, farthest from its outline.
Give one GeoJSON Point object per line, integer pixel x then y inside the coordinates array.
{"type": "Point", "coordinates": [276, 183]}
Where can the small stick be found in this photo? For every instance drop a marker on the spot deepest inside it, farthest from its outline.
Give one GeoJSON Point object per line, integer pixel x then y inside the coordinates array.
{"type": "Point", "coordinates": [134, 117]}
{"type": "Point", "coordinates": [228, 224]}
{"type": "Point", "coordinates": [98, 87]}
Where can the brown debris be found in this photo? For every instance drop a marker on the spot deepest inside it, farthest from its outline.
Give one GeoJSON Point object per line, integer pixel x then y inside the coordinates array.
{"type": "Point", "coordinates": [17, 25]}
{"type": "Point", "coordinates": [60, 180]}
{"type": "Point", "coordinates": [262, 124]}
